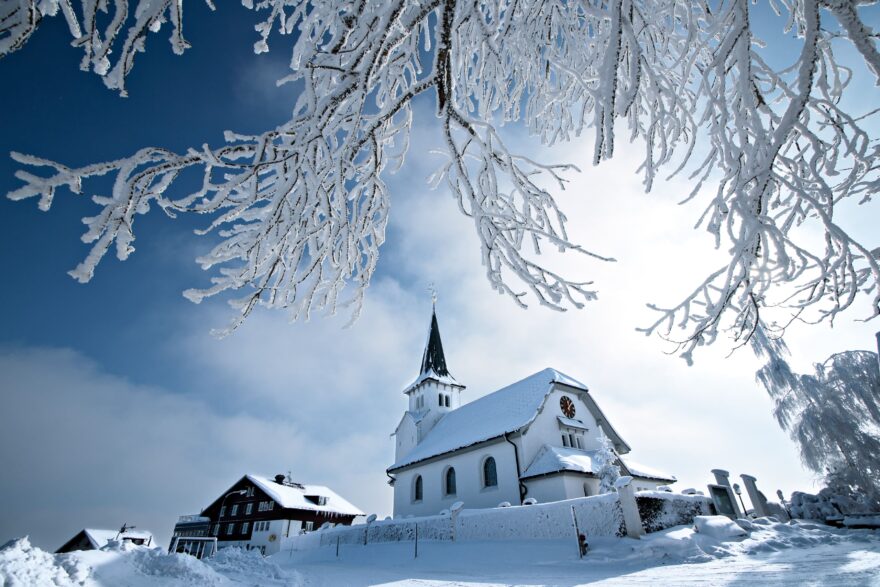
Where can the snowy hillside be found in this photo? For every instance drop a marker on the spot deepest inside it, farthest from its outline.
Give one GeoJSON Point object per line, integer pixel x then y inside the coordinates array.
{"type": "Point", "coordinates": [771, 553]}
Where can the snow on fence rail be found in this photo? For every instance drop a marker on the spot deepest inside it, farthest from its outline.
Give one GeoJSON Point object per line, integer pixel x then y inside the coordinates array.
{"type": "Point", "coordinates": [599, 515]}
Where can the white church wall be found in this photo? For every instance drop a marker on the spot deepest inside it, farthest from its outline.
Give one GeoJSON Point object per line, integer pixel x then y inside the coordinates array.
{"type": "Point", "coordinates": [545, 489]}
{"type": "Point", "coordinates": [545, 428]}
{"type": "Point", "coordinates": [468, 465]}
{"type": "Point", "coordinates": [574, 485]}
{"type": "Point", "coordinates": [405, 437]}
{"type": "Point", "coordinates": [561, 486]}
{"type": "Point", "coordinates": [431, 392]}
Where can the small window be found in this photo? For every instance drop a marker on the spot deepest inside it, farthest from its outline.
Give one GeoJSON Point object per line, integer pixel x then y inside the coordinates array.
{"type": "Point", "coordinates": [222, 511]}
{"type": "Point", "coordinates": [234, 510]}
{"type": "Point", "coordinates": [447, 401]}
{"type": "Point", "coordinates": [579, 442]}
{"type": "Point", "coordinates": [571, 441]}
{"type": "Point", "coordinates": [250, 492]}
{"type": "Point", "coordinates": [244, 527]}
{"type": "Point", "coordinates": [230, 529]}
{"type": "Point", "coordinates": [440, 399]}
{"type": "Point", "coordinates": [249, 508]}
{"type": "Point", "coordinates": [586, 490]}
{"type": "Point", "coordinates": [215, 530]}
{"type": "Point", "coordinates": [417, 489]}
{"type": "Point", "coordinates": [490, 473]}
{"type": "Point", "coordinates": [564, 440]}
{"type": "Point", "coordinates": [317, 499]}
{"type": "Point", "coordinates": [309, 526]}
{"type": "Point", "coordinates": [450, 481]}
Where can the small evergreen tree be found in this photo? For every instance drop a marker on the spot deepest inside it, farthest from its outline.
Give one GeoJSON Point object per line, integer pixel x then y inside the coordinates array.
{"type": "Point", "coordinates": [604, 466]}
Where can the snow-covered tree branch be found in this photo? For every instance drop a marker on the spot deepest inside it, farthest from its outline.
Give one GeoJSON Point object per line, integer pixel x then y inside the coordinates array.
{"type": "Point", "coordinates": [301, 210]}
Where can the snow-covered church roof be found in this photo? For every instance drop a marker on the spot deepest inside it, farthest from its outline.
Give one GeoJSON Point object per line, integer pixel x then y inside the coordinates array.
{"type": "Point", "coordinates": [552, 459]}
{"type": "Point", "coordinates": [504, 411]}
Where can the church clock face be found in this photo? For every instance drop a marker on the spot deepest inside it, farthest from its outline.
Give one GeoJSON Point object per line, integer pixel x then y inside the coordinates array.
{"type": "Point", "coordinates": [567, 406]}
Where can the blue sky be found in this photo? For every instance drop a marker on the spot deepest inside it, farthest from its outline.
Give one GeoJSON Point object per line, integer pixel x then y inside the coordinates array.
{"type": "Point", "coordinates": [121, 407]}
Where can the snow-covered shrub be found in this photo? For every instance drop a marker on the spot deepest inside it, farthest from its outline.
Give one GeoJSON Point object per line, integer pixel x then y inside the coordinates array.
{"type": "Point", "coordinates": [660, 510]}
{"type": "Point", "coordinates": [830, 503]}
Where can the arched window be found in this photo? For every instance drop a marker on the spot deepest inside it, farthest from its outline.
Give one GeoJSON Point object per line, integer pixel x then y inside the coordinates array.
{"type": "Point", "coordinates": [449, 486]}
{"type": "Point", "coordinates": [447, 401]}
{"type": "Point", "coordinates": [440, 399]}
{"type": "Point", "coordinates": [490, 474]}
{"type": "Point", "coordinates": [586, 489]}
{"type": "Point", "coordinates": [417, 489]}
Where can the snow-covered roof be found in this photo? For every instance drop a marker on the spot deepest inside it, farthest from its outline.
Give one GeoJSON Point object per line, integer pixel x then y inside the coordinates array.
{"type": "Point", "coordinates": [571, 422]}
{"type": "Point", "coordinates": [507, 410]}
{"type": "Point", "coordinates": [430, 375]}
{"type": "Point", "coordinates": [294, 497]}
{"type": "Point", "coordinates": [551, 459]}
{"type": "Point", "coordinates": [639, 470]}
{"type": "Point", "coordinates": [99, 538]}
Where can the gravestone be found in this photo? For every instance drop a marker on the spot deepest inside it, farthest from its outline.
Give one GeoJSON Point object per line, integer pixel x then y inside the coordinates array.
{"type": "Point", "coordinates": [722, 478]}
{"type": "Point", "coordinates": [725, 504]}
{"type": "Point", "coordinates": [759, 502]}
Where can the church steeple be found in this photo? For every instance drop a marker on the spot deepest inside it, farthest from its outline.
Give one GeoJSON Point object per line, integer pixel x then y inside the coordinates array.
{"type": "Point", "coordinates": [434, 361]}
{"type": "Point", "coordinates": [433, 394]}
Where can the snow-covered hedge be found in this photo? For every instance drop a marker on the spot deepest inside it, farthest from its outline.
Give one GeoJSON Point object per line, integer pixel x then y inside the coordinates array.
{"type": "Point", "coordinates": [660, 510]}
{"type": "Point", "coordinates": [429, 528]}
{"type": "Point", "coordinates": [599, 515]}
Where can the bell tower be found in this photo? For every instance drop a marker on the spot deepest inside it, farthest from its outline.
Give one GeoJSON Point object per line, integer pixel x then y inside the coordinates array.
{"type": "Point", "coordinates": [435, 391]}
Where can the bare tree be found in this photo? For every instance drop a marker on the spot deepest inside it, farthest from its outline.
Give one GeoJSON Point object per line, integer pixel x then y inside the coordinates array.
{"type": "Point", "coordinates": [301, 209]}
{"type": "Point", "coordinates": [832, 415]}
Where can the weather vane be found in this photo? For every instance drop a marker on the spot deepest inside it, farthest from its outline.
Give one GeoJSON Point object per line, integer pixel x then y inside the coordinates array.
{"type": "Point", "coordinates": [433, 289]}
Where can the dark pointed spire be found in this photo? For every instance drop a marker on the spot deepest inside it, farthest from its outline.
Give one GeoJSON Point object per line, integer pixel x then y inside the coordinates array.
{"type": "Point", "coordinates": [434, 361]}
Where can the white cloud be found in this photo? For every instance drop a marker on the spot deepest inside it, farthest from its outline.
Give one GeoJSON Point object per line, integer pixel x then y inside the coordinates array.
{"type": "Point", "coordinates": [81, 448]}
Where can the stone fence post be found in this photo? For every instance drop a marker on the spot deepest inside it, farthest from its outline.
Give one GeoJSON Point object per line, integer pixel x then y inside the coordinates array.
{"type": "Point", "coordinates": [759, 504]}
{"type": "Point", "coordinates": [631, 518]}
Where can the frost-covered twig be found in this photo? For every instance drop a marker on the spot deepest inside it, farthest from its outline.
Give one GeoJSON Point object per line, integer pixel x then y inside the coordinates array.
{"type": "Point", "coordinates": [301, 210]}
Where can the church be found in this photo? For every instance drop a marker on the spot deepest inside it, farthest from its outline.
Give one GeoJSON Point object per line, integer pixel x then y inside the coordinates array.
{"type": "Point", "coordinates": [532, 440]}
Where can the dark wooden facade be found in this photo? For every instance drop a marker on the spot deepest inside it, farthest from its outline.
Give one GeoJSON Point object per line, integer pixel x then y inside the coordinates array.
{"type": "Point", "coordinates": [254, 496]}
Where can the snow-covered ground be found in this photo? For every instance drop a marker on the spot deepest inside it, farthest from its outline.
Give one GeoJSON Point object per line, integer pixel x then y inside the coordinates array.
{"type": "Point", "coordinates": [772, 554]}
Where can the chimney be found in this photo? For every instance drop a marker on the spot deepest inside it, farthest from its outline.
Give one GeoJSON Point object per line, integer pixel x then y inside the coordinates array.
{"type": "Point", "coordinates": [279, 479]}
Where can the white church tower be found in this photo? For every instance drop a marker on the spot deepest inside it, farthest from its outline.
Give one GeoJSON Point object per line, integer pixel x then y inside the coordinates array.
{"type": "Point", "coordinates": [434, 393]}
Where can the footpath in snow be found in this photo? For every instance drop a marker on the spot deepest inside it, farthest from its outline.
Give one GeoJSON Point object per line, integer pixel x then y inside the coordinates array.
{"type": "Point", "coordinates": [771, 553]}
